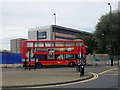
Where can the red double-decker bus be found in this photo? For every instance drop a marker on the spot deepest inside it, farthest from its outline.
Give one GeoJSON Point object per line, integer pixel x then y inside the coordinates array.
{"type": "Point", "coordinates": [52, 52]}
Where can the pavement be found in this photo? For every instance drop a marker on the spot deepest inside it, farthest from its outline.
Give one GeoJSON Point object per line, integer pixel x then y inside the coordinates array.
{"type": "Point", "coordinates": [41, 77]}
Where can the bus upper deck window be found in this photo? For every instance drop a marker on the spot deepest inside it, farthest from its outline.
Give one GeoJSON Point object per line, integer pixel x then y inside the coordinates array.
{"type": "Point", "coordinates": [29, 44]}
{"type": "Point", "coordinates": [70, 44]}
{"type": "Point", "coordinates": [39, 44]}
{"type": "Point", "coordinates": [78, 43]}
{"type": "Point", "coordinates": [59, 43]}
{"type": "Point", "coordinates": [49, 44]}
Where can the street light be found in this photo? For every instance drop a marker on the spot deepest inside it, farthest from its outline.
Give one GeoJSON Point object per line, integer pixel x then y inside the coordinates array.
{"type": "Point", "coordinates": [55, 18]}
{"type": "Point", "coordinates": [55, 25]}
{"type": "Point", "coordinates": [110, 29]}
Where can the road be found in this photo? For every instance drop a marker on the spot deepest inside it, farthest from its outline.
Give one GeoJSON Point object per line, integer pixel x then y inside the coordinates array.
{"type": "Point", "coordinates": [107, 77]}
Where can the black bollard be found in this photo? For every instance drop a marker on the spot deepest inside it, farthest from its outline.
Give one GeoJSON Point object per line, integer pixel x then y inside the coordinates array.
{"type": "Point", "coordinates": [82, 70]}
{"type": "Point", "coordinates": [111, 61]}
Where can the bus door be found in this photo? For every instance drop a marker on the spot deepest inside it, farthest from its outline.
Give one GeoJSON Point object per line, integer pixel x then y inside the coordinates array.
{"type": "Point", "coordinates": [60, 60]}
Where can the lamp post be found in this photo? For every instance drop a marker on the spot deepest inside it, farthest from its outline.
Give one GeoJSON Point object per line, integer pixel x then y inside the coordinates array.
{"type": "Point", "coordinates": [110, 29]}
{"type": "Point", "coordinates": [55, 26]}
{"type": "Point", "coordinates": [55, 18]}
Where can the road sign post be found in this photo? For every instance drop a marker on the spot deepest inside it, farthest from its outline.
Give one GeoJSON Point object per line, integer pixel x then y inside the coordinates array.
{"type": "Point", "coordinates": [29, 55]}
{"type": "Point", "coordinates": [82, 66]}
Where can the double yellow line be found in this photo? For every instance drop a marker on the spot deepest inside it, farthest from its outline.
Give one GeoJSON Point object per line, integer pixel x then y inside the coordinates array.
{"type": "Point", "coordinates": [107, 71]}
{"type": "Point", "coordinates": [95, 76]}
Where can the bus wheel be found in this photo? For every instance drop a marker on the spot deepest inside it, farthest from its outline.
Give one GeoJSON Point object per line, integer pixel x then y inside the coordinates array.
{"type": "Point", "coordinates": [71, 64]}
{"type": "Point", "coordinates": [38, 65]}
{"type": "Point", "coordinates": [25, 64]}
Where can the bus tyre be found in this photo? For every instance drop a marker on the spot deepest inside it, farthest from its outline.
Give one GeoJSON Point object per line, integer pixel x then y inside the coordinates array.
{"type": "Point", "coordinates": [25, 64]}
{"type": "Point", "coordinates": [71, 64]}
{"type": "Point", "coordinates": [38, 65]}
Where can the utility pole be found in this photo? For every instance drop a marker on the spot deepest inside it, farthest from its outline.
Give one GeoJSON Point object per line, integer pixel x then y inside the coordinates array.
{"type": "Point", "coordinates": [110, 30]}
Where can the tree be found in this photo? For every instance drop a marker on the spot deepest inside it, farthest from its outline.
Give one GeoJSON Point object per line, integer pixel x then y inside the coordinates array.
{"type": "Point", "coordinates": [89, 42]}
{"type": "Point", "coordinates": [107, 36]}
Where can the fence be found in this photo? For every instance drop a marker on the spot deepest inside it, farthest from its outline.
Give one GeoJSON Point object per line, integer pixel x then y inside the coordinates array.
{"type": "Point", "coordinates": [8, 59]}
{"type": "Point", "coordinates": [102, 59]}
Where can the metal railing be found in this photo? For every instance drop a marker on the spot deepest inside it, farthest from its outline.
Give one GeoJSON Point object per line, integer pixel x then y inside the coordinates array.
{"type": "Point", "coordinates": [102, 59]}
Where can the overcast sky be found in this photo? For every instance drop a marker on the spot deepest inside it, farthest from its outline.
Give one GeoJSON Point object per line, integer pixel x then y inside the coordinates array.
{"type": "Point", "coordinates": [18, 17]}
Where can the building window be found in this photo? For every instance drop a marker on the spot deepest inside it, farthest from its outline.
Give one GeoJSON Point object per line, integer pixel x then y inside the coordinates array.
{"type": "Point", "coordinates": [64, 31]}
{"type": "Point", "coordinates": [61, 37]}
{"type": "Point", "coordinates": [42, 35]}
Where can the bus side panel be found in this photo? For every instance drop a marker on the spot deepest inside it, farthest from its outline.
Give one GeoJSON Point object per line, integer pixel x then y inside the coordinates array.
{"type": "Point", "coordinates": [46, 62]}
